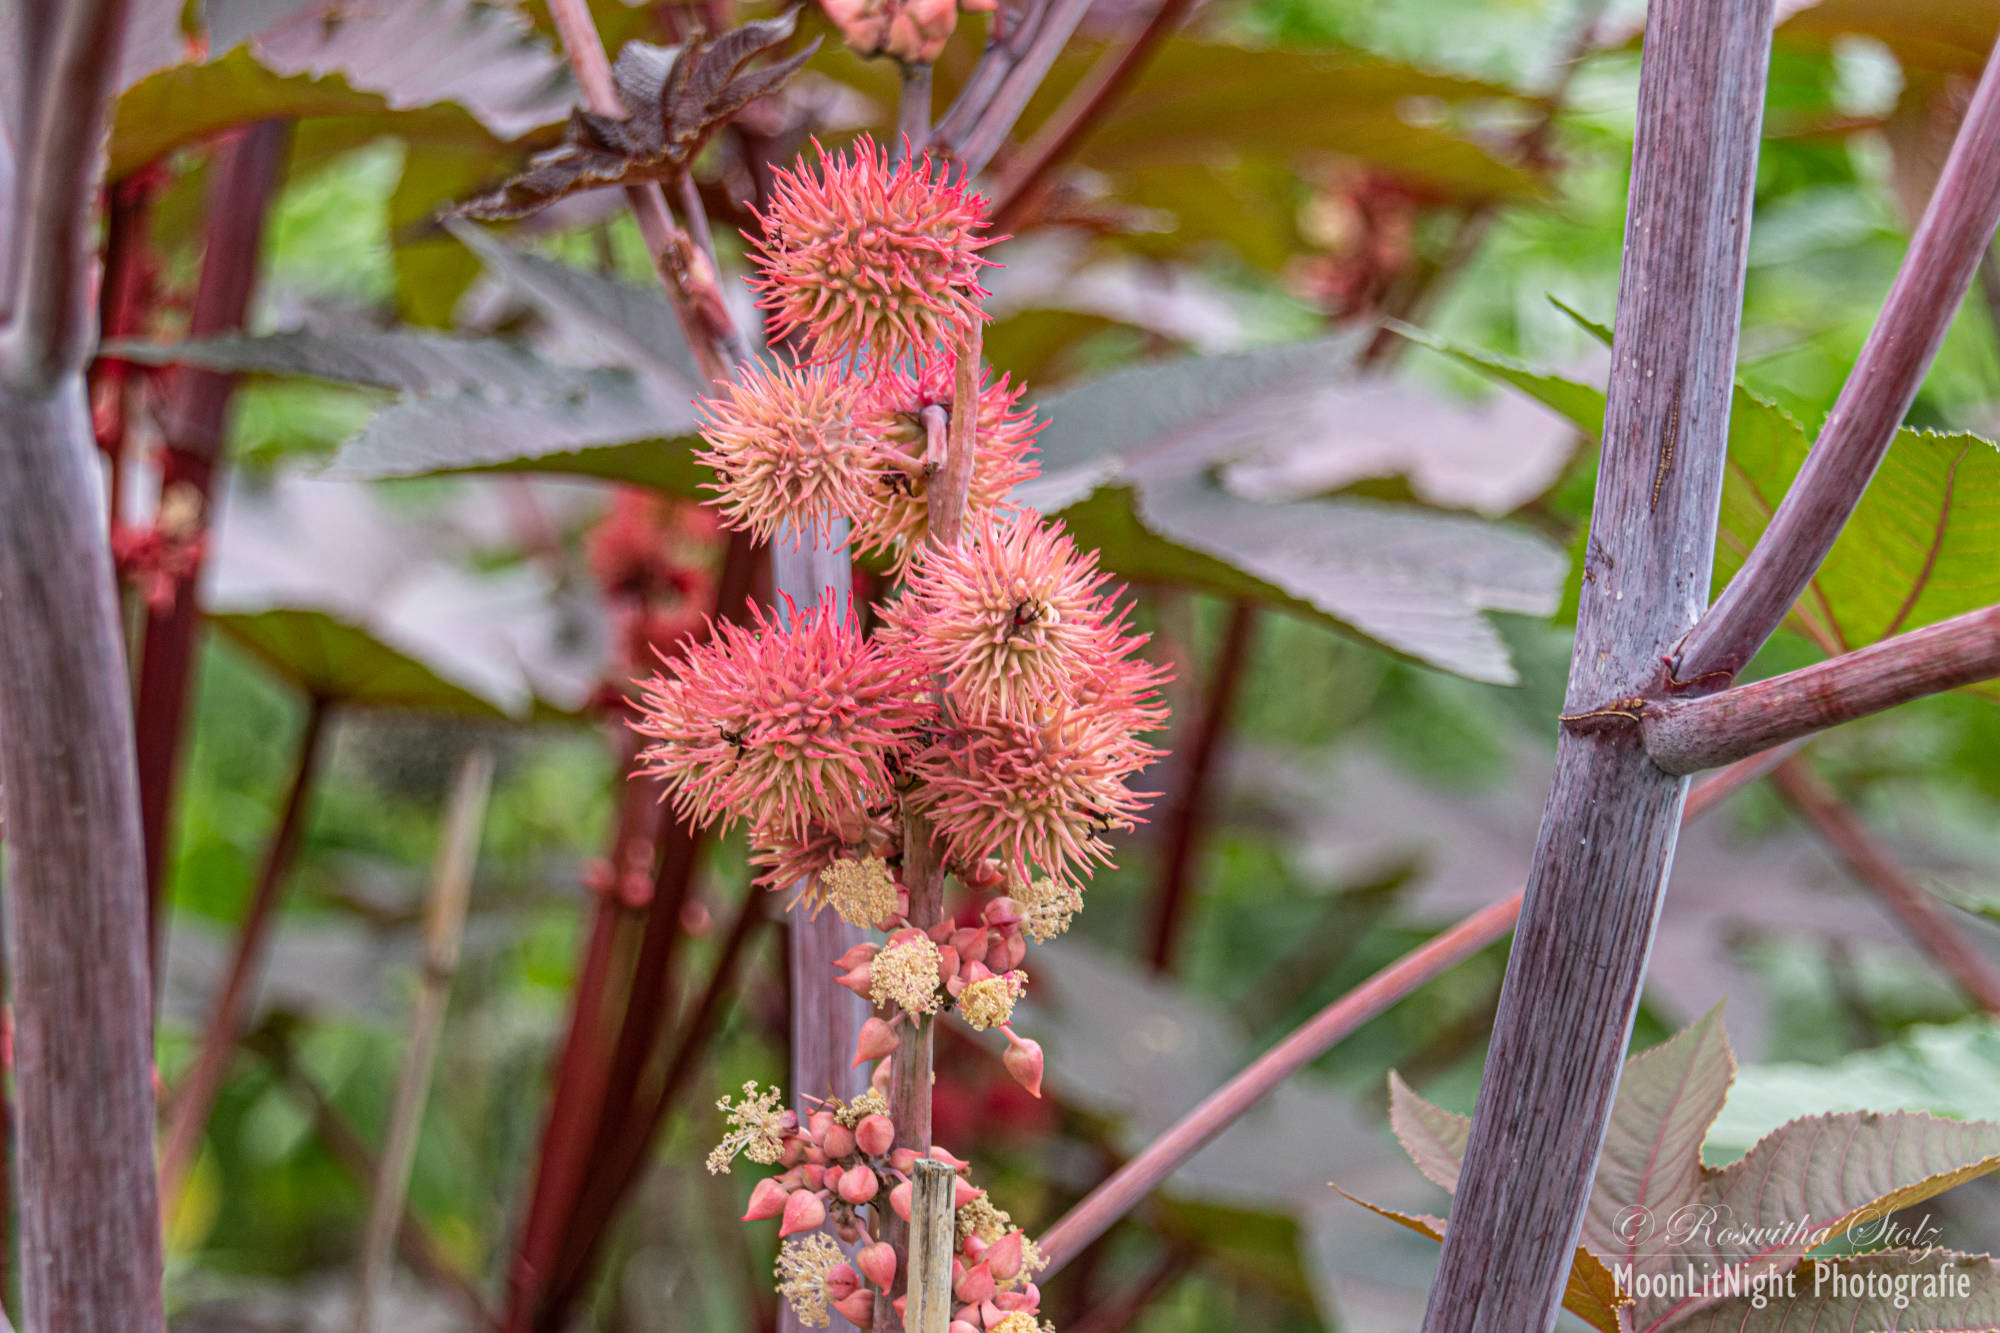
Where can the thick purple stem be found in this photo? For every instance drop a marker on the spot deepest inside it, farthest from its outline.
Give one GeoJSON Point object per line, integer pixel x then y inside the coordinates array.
{"type": "Point", "coordinates": [1608, 832]}
{"type": "Point", "coordinates": [1956, 229]}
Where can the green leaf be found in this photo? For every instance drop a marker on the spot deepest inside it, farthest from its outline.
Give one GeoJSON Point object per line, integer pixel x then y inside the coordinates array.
{"type": "Point", "coordinates": [1923, 545]}
{"type": "Point", "coordinates": [1667, 1098]}
{"type": "Point", "coordinates": [1433, 1137]}
{"type": "Point", "coordinates": [331, 658]}
{"type": "Point", "coordinates": [1896, 1291]}
{"type": "Point", "coordinates": [1131, 461]}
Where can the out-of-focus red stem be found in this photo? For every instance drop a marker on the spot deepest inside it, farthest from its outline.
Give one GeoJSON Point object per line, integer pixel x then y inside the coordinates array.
{"type": "Point", "coordinates": [1187, 820]}
{"type": "Point", "coordinates": [187, 1113]}
{"type": "Point", "coordinates": [1871, 863]}
{"type": "Point", "coordinates": [245, 173]}
{"type": "Point", "coordinates": [1099, 1210]}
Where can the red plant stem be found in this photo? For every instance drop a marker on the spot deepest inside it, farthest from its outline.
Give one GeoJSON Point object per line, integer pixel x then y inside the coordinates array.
{"type": "Point", "coordinates": [1687, 735]}
{"type": "Point", "coordinates": [75, 923]}
{"type": "Point", "coordinates": [121, 312]}
{"type": "Point", "coordinates": [1074, 120]}
{"type": "Point", "coordinates": [419, 1248]}
{"type": "Point", "coordinates": [623, 1165]}
{"type": "Point", "coordinates": [913, 110]}
{"type": "Point", "coordinates": [1915, 910]}
{"type": "Point", "coordinates": [1187, 821]}
{"type": "Point", "coordinates": [188, 1109]}
{"type": "Point", "coordinates": [245, 173]}
{"type": "Point", "coordinates": [1117, 1196]}
{"type": "Point", "coordinates": [983, 137]}
{"type": "Point", "coordinates": [1606, 843]}
{"type": "Point", "coordinates": [1956, 229]}
{"type": "Point", "coordinates": [576, 1103]}
{"type": "Point", "coordinates": [1008, 38]}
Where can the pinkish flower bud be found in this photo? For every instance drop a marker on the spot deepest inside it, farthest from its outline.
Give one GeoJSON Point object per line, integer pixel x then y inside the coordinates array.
{"type": "Point", "coordinates": [975, 1286]}
{"type": "Point", "coordinates": [1008, 953]}
{"type": "Point", "coordinates": [884, 1071]}
{"type": "Point", "coordinates": [1003, 1256]}
{"type": "Point", "coordinates": [858, 1184]}
{"type": "Point", "coordinates": [1024, 1062]}
{"type": "Point", "coordinates": [970, 943]}
{"type": "Point", "coordinates": [899, 1200]}
{"type": "Point", "coordinates": [903, 1159]}
{"type": "Point", "coordinates": [1002, 914]}
{"type": "Point", "coordinates": [877, 1040]}
{"type": "Point", "coordinates": [855, 957]}
{"type": "Point", "coordinates": [964, 1192]}
{"type": "Point", "coordinates": [947, 961]}
{"type": "Point", "coordinates": [803, 1212]}
{"type": "Point", "coordinates": [848, 1227]}
{"type": "Point", "coordinates": [858, 1309]}
{"type": "Point", "coordinates": [859, 979]}
{"type": "Point", "coordinates": [842, 1281]}
{"type": "Point", "coordinates": [875, 1135]}
{"type": "Point", "coordinates": [972, 1249]}
{"type": "Point", "coordinates": [878, 1264]}
{"type": "Point", "coordinates": [940, 1153]}
{"type": "Point", "coordinates": [960, 1326]}
{"type": "Point", "coordinates": [838, 1143]}
{"type": "Point", "coordinates": [767, 1200]}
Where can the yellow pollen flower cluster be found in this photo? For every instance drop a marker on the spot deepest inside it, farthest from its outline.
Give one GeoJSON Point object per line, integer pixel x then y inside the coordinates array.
{"type": "Point", "coordinates": [989, 1002]}
{"type": "Point", "coordinates": [906, 974]}
{"type": "Point", "coordinates": [850, 1114]}
{"type": "Point", "coordinates": [756, 1129]}
{"type": "Point", "coordinates": [980, 1218]}
{"type": "Point", "coordinates": [801, 1272]}
{"type": "Point", "coordinates": [861, 891]}
{"type": "Point", "coordinates": [1019, 1322]}
{"type": "Point", "coordinates": [1048, 906]}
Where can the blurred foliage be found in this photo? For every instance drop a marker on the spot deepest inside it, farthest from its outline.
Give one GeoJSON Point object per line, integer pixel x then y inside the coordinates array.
{"type": "Point", "coordinates": [1332, 158]}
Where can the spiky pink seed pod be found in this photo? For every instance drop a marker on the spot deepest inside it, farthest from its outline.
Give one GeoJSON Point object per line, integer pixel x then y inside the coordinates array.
{"type": "Point", "coordinates": [858, 1309]}
{"type": "Point", "coordinates": [1036, 794]}
{"type": "Point", "coordinates": [1010, 619]}
{"type": "Point", "coordinates": [767, 1200]}
{"type": "Point", "coordinates": [869, 259]}
{"type": "Point", "coordinates": [858, 1184]}
{"type": "Point", "coordinates": [875, 1135]}
{"type": "Point", "coordinates": [877, 1039]}
{"type": "Point", "coordinates": [784, 450]}
{"type": "Point", "coordinates": [889, 420]}
{"type": "Point", "coordinates": [877, 1263]}
{"type": "Point", "coordinates": [803, 1212]}
{"type": "Point", "coordinates": [1024, 1062]}
{"type": "Point", "coordinates": [784, 724]}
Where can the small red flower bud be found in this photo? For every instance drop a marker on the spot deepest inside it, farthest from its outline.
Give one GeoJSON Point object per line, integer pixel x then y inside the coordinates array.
{"type": "Point", "coordinates": [1004, 1256]}
{"type": "Point", "coordinates": [1003, 914]}
{"type": "Point", "coordinates": [858, 1309]}
{"type": "Point", "coordinates": [877, 1040]}
{"type": "Point", "coordinates": [878, 1263]}
{"type": "Point", "coordinates": [767, 1200]}
{"type": "Point", "coordinates": [838, 1143]}
{"type": "Point", "coordinates": [842, 1281]}
{"type": "Point", "coordinates": [899, 1200]}
{"type": "Point", "coordinates": [964, 1192]}
{"type": "Point", "coordinates": [1011, 950]}
{"type": "Point", "coordinates": [1024, 1062]}
{"type": "Point", "coordinates": [970, 943]}
{"type": "Point", "coordinates": [818, 1123]}
{"type": "Point", "coordinates": [875, 1135]}
{"type": "Point", "coordinates": [855, 957]}
{"type": "Point", "coordinates": [903, 1159]}
{"type": "Point", "coordinates": [947, 961]}
{"type": "Point", "coordinates": [939, 1153]}
{"type": "Point", "coordinates": [858, 1184]}
{"type": "Point", "coordinates": [803, 1212]}
{"type": "Point", "coordinates": [860, 980]}
{"type": "Point", "coordinates": [976, 1285]}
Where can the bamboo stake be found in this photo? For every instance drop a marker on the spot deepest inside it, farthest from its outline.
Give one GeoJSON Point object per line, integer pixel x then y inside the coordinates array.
{"type": "Point", "coordinates": [444, 927]}
{"type": "Point", "coordinates": [932, 1241]}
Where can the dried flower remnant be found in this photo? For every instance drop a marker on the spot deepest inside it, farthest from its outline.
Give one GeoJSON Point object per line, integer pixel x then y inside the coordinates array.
{"type": "Point", "coordinates": [989, 1001]}
{"type": "Point", "coordinates": [757, 1128]}
{"type": "Point", "coordinates": [889, 420]}
{"type": "Point", "coordinates": [803, 1265]}
{"type": "Point", "coordinates": [871, 260]}
{"type": "Point", "coordinates": [907, 974]}
{"type": "Point", "coordinates": [782, 444]}
{"type": "Point", "coordinates": [788, 725]}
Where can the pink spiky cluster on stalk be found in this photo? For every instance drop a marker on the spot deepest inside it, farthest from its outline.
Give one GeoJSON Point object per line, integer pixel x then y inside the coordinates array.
{"type": "Point", "coordinates": [889, 417]}
{"type": "Point", "coordinates": [991, 725]}
{"type": "Point", "coordinates": [871, 261]}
